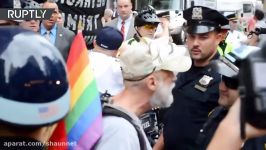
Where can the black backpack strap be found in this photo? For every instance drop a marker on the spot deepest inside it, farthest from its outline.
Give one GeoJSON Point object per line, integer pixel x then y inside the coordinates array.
{"type": "Point", "coordinates": [109, 111]}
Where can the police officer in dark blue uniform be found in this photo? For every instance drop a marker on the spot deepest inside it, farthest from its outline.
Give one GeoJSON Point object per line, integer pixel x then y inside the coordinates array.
{"type": "Point", "coordinates": [228, 66]}
{"type": "Point", "coordinates": [196, 91]}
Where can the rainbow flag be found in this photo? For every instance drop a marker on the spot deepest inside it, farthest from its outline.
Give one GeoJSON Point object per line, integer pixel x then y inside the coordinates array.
{"type": "Point", "coordinates": [83, 124]}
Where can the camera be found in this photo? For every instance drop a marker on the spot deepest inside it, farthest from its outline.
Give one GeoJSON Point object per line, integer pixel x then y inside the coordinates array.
{"type": "Point", "coordinates": [260, 31]}
{"type": "Point", "coordinates": [257, 31]}
{"type": "Point", "coordinates": [252, 90]}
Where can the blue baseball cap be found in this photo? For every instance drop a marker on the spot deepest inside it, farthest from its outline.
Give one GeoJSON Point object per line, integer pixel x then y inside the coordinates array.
{"type": "Point", "coordinates": [109, 38]}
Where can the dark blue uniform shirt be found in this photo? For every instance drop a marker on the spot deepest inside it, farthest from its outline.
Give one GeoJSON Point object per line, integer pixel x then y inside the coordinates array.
{"type": "Point", "coordinates": [211, 125]}
{"type": "Point", "coordinates": [190, 108]}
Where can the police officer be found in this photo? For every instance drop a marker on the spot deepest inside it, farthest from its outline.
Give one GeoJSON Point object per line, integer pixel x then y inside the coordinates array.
{"type": "Point", "coordinates": [196, 92]}
{"type": "Point", "coordinates": [237, 38]}
{"type": "Point", "coordinates": [224, 46]}
{"type": "Point", "coordinates": [146, 23]}
{"type": "Point", "coordinates": [228, 66]}
{"type": "Point", "coordinates": [34, 91]}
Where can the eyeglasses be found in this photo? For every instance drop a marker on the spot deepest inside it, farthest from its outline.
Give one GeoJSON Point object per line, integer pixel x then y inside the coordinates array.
{"type": "Point", "coordinates": [150, 26]}
{"type": "Point", "coordinates": [230, 83]}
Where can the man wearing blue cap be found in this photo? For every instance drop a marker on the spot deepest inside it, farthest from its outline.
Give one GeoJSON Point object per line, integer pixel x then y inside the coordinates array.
{"type": "Point", "coordinates": [196, 92]}
{"type": "Point", "coordinates": [105, 66]}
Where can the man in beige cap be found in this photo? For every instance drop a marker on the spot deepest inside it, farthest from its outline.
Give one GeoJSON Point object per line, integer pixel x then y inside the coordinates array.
{"type": "Point", "coordinates": [149, 70]}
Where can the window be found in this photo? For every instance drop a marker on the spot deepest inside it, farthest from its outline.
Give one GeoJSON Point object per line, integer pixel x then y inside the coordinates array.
{"type": "Point", "coordinates": [247, 8]}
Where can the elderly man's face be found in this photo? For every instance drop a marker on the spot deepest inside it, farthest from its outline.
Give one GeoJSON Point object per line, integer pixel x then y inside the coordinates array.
{"type": "Point", "coordinates": [162, 96]}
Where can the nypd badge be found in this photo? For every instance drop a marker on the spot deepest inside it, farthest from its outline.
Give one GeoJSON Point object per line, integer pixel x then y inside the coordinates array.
{"type": "Point", "coordinates": [197, 13]}
{"type": "Point", "coordinates": [203, 83]}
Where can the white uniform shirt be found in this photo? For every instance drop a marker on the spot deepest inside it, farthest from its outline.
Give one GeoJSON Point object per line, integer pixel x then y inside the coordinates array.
{"type": "Point", "coordinates": [236, 38]}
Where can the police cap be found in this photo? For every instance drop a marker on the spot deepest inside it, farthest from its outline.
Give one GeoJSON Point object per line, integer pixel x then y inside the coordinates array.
{"type": "Point", "coordinates": [203, 19]}
{"type": "Point", "coordinates": [231, 17]}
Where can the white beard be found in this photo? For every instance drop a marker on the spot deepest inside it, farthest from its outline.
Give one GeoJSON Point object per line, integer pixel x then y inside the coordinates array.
{"type": "Point", "coordinates": [162, 97]}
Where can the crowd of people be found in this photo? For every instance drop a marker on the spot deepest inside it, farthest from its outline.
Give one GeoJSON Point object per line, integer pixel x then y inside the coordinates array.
{"type": "Point", "coordinates": [137, 65]}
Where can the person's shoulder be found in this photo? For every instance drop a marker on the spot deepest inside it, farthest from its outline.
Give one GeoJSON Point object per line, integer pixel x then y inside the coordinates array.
{"type": "Point", "coordinates": [67, 31]}
{"type": "Point", "coordinates": [118, 124]}
{"type": "Point", "coordinates": [102, 57]}
{"type": "Point", "coordinates": [118, 134]}
{"type": "Point", "coordinates": [101, 60]}
{"type": "Point", "coordinates": [131, 41]}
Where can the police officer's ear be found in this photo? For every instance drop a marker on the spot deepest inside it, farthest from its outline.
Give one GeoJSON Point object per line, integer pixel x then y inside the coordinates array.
{"type": "Point", "coordinates": [219, 37]}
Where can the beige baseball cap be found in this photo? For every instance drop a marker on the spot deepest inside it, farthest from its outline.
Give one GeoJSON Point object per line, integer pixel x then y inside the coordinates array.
{"type": "Point", "coordinates": [140, 59]}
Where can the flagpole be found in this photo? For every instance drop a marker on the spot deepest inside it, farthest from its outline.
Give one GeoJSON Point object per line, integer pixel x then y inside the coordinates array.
{"type": "Point", "coordinates": [80, 27]}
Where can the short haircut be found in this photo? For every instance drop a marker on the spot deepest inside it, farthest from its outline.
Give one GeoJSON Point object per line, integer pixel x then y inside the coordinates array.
{"type": "Point", "coordinates": [259, 14]}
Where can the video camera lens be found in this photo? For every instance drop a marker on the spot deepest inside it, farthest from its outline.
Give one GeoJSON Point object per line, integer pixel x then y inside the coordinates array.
{"type": "Point", "coordinates": [260, 31]}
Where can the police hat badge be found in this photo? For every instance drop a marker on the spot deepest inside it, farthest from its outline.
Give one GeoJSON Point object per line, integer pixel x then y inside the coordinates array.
{"type": "Point", "coordinates": [197, 13]}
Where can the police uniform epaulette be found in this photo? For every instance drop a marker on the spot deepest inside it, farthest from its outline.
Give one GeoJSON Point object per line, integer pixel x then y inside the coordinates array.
{"type": "Point", "coordinates": [130, 41]}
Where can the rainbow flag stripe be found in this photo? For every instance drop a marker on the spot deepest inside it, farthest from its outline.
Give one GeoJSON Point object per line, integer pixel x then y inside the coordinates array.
{"type": "Point", "coordinates": [84, 122]}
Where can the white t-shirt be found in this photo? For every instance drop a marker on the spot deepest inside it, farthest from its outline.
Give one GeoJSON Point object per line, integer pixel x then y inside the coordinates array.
{"type": "Point", "coordinates": [119, 134]}
{"type": "Point", "coordinates": [107, 72]}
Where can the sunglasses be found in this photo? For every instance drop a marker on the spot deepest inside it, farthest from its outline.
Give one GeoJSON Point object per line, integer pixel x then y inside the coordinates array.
{"type": "Point", "coordinates": [150, 26]}
{"type": "Point", "coordinates": [231, 83]}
